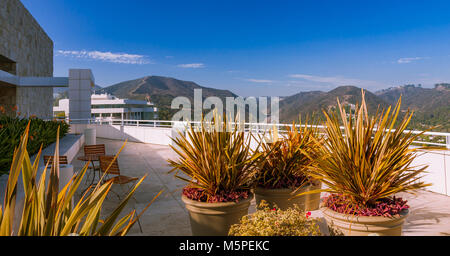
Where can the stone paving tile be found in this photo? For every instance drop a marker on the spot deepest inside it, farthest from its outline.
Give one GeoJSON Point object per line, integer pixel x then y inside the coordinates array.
{"type": "Point", "coordinates": [167, 215]}
{"type": "Point", "coordinates": [429, 212]}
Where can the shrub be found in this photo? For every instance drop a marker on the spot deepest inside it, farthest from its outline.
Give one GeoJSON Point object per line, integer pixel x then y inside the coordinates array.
{"type": "Point", "coordinates": [369, 160]}
{"type": "Point", "coordinates": [42, 133]}
{"type": "Point", "coordinates": [289, 158]}
{"type": "Point", "coordinates": [275, 222]}
{"type": "Point", "coordinates": [217, 160]}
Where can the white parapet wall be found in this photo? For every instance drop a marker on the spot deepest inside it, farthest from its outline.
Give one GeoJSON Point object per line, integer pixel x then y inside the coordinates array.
{"type": "Point", "coordinates": [151, 135]}
{"type": "Point", "coordinates": [438, 171]}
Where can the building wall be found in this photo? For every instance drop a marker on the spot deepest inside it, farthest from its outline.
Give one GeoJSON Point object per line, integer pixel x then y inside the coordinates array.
{"type": "Point", "coordinates": [35, 101]}
{"type": "Point", "coordinates": [23, 41]}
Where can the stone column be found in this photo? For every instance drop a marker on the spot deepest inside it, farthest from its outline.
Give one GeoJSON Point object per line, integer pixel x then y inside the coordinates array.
{"type": "Point", "coordinates": [80, 83]}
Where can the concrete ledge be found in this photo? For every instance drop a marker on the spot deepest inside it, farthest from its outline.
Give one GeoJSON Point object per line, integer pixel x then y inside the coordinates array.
{"type": "Point", "coordinates": [33, 81]}
{"type": "Point", "coordinates": [68, 146]}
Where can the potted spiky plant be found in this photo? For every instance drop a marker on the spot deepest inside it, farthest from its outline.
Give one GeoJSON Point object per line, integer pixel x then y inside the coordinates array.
{"type": "Point", "coordinates": [284, 172]}
{"type": "Point", "coordinates": [364, 166]}
{"type": "Point", "coordinates": [219, 166]}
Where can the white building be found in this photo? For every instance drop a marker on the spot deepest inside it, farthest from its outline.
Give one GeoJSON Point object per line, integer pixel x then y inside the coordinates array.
{"type": "Point", "coordinates": [107, 107]}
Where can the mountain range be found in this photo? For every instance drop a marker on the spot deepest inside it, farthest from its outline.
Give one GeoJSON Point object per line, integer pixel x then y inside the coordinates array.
{"type": "Point", "coordinates": [431, 105]}
{"type": "Point", "coordinates": [313, 102]}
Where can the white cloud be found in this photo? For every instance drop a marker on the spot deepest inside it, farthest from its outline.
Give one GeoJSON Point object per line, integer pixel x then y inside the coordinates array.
{"type": "Point", "coordinates": [295, 83]}
{"type": "Point", "coordinates": [338, 80]}
{"type": "Point", "coordinates": [192, 65]}
{"type": "Point", "coordinates": [409, 60]}
{"type": "Point", "coordinates": [123, 58]}
{"type": "Point", "coordinates": [260, 81]}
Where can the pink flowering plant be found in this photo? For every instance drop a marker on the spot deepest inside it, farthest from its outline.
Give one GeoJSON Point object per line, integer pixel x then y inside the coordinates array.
{"type": "Point", "coordinates": [386, 207]}
{"type": "Point", "coordinates": [198, 194]}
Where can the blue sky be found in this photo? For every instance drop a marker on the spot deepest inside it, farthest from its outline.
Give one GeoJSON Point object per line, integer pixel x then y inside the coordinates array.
{"type": "Point", "coordinates": [253, 48]}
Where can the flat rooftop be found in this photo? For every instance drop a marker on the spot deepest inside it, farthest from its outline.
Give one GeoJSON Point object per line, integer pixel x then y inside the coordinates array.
{"type": "Point", "coordinates": [167, 216]}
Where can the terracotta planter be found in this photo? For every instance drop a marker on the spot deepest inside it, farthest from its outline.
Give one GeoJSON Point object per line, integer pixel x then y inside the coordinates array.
{"type": "Point", "coordinates": [215, 219]}
{"type": "Point", "coordinates": [283, 198]}
{"type": "Point", "coordinates": [365, 225]}
{"type": "Point", "coordinates": [312, 201]}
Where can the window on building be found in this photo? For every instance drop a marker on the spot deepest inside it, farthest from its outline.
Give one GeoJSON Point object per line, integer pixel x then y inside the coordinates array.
{"type": "Point", "coordinates": [7, 65]}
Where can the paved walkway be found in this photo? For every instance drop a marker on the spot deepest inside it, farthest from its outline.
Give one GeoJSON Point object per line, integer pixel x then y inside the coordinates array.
{"type": "Point", "coordinates": [429, 213]}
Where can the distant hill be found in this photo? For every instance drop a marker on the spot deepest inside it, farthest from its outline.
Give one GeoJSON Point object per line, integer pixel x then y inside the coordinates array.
{"type": "Point", "coordinates": [309, 103]}
{"type": "Point", "coordinates": [162, 90]}
{"type": "Point", "coordinates": [431, 105]}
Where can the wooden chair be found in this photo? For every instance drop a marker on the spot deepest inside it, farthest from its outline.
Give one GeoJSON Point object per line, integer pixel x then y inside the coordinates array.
{"type": "Point", "coordinates": [105, 161]}
{"type": "Point", "coordinates": [98, 149]}
{"type": "Point", "coordinates": [62, 160]}
{"type": "Point", "coordinates": [119, 179]}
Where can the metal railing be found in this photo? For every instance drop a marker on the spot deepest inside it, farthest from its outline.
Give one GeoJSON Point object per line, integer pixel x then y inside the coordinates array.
{"type": "Point", "coordinates": [444, 140]}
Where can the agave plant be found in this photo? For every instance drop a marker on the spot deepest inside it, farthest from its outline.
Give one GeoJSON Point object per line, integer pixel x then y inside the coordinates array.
{"type": "Point", "coordinates": [216, 158]}
{"type": "Point", "coordinates": [369, 160]}
{"type": "Point", "coordinates": [48, 211]}
{"type": "Point", "coordinates": [289, 157]}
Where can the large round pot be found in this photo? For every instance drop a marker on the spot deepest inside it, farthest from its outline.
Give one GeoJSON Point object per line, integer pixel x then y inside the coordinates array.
{"type": "Point", "coordinates": [351, 225]}
{"type": "Point", "coordinates": [215, 219]}
{"type": "Point", "coordinates": [312, 201]}
{"type": "Point", "coordinates": [283, 197]}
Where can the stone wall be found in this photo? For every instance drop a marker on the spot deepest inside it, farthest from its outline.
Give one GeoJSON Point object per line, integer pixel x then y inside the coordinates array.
{"type": "Point", "coordinates": [26, 51]}
{"type": "Point", "coordinates": [23, 41]}
{"type": "Point", "coordinates": [36, 101]}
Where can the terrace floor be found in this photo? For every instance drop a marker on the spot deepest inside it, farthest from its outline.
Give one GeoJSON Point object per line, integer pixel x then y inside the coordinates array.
{"type": "Point", "coordinates": [429, 212]}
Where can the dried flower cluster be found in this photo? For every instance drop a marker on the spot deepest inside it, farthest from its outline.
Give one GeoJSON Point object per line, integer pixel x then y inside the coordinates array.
{"type": "Point", "coordinates": [276, 222]}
